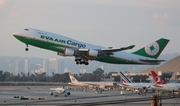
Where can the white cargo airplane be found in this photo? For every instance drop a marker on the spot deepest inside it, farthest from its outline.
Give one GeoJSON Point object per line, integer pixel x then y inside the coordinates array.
{"type": "Point", "coordinates": [127, 83]}
{"type": "Point", "coordinates": [65, 46]}
{"type": "Point", "coordinates": [57, 91]}
{"type": "Point", "coordinates": [100, 85]}
{"type": "Point", "coordinates": [163, 86]}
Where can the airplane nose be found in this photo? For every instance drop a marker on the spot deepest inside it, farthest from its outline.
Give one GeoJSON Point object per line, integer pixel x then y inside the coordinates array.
{"type": "Point", "coordinates": [14, 34]}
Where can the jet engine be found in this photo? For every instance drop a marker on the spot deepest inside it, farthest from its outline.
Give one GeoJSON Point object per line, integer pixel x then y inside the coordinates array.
{"type": "Point", "coordinates": [91, 86]}
{"type": "Point", "coordinates": [102, 87]}
{"type": "Point", "coordinates": [51, 93]}
{"type": "Point", "coordinates": [68, 93]}
{"type": "Point", "coordinates": [69, 52]}
{"type": "Point", "coordinates": [93, 52]}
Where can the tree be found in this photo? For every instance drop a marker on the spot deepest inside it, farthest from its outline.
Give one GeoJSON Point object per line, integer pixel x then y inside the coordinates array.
{"type": "Point", "coordinates": [98, 72]}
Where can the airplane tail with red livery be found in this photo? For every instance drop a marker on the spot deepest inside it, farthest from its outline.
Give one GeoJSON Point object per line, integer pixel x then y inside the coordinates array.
{"type": "Point", "coordinates": [73, 80]}
{"type": "Point", "coordinates": [157, 79]}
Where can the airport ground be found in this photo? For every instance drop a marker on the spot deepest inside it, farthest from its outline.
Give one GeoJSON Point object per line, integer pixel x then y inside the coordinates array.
{"type": "Point", "coordinates": [39, 95]}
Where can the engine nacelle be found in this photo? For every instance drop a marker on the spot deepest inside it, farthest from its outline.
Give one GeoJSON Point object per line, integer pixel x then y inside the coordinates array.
{"type": "Point", "coordinates": [91, 86]}
{"type": "Point", "coordinates": [102, 87]}
{"type": "Point", "coordinates": [68, 93]}
{"type": "Point", "coordinates": [69, 52]}
{"type": "Point", "coordinates": [51, 93]}
{"type": "Point", "coordinates": [61, 54]}
{"type": "Point", "coordinates": [93, 52]}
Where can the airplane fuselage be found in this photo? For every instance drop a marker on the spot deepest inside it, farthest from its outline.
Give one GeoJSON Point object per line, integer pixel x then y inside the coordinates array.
{"type": "Point", "coordinates": [167, 87]}
{"type": "Point", "coordinates": [138, 85]}
{"type": "Point", "coordinates": [65, 46]}
{"type": "Point", "coordinates": [92, 84]}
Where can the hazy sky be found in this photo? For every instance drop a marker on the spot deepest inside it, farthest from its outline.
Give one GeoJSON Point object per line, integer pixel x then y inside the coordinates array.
{"type": "Point", "coordinates": [114, 23]}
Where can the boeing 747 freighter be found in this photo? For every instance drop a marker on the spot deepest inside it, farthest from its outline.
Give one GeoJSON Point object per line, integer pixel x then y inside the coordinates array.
{"type": "Point", "coordinates": [83, 52]}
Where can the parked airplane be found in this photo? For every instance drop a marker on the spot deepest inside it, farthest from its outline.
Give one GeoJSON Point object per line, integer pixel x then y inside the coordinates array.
{"type": "Point", "coordinates": [127, 83]}
{"type": "Point", "coordinates": [57, 91]}
{"type": "Point", "coordinates": [161, 85]}
{"type": "Point", "coordinates": [83, 52]}
{"type": "Point", "coordinates": [100, 85]}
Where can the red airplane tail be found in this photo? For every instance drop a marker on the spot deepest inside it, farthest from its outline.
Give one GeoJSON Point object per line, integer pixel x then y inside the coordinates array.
{"type": "Point", "coordinates": [157, 79]}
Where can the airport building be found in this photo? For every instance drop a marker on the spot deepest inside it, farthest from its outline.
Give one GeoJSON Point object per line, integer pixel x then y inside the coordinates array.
{"type": "Point", "coordinates": [53, 65]}
{"type": "Point", "coordinates": [19, 66]}
{"type": "Point", "coordinates": [26, 66]}
{"type": "Point", "coordinates": [45, 65]}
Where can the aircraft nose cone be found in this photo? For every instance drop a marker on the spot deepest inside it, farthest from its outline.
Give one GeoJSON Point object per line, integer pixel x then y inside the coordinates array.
{"type": "Point", "coordinates": [14, 34]}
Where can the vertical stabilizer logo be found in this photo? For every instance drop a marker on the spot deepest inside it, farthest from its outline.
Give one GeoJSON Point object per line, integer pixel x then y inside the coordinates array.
{"type": "Point", "coordinates": [73, 80]}
{"type": "Point", "coordinates": [152, 49]}
{"type": "Point", "coordinates": [157, 79]}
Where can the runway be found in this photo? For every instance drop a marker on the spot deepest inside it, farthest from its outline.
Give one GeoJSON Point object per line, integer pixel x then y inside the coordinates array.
{"type": "Point", "coordinates": [77, 97]}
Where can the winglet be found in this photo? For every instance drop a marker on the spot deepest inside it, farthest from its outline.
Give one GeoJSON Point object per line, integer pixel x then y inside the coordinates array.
{"type": "Point", "coordinates": [131, 47]}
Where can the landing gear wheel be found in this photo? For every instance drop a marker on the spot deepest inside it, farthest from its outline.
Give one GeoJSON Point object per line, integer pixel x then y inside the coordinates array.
{"type": "Point", "coordinates": [86, 63]}
{"type": "Point", "coordinates": [81, 61]}
{"type": "Point", "coordinates": [26, 49]}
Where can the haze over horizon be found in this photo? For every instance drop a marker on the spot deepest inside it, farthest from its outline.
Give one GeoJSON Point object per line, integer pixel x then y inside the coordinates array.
{"type": "Point", "coordinates": [103, 22]}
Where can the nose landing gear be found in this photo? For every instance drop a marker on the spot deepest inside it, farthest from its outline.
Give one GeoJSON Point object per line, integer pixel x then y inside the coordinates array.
{"type": "Point", "coordinates": [26, 47]}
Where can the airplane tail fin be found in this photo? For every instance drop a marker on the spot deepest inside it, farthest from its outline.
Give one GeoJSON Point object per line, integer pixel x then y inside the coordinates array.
{"type": "Point", "coordinates": [124, 78]}
{"type": "Point", "coordinates": [151, 78]}
{"type": "Point", "coordinates": [157, 79]}
{"type": "Point", "coordinates": [154, 49]}
{"type": "Point", "coordinates": [73, 80]}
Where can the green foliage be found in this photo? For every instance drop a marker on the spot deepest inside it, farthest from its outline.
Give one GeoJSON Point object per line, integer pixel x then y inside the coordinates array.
{"type": "Point", "coordinates": [96, 75]}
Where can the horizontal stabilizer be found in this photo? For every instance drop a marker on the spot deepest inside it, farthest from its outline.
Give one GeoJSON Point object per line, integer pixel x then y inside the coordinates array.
{"type": "Point", "coordinates": [152, 60]}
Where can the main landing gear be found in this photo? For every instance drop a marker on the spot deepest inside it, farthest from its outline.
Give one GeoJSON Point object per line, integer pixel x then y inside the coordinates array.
{"type": "Point", "coordinates": [80, 61]}
{"type": "Point", "coordinates": [26, 49]}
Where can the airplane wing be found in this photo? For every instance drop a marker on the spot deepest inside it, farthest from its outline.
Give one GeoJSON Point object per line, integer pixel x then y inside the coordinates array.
{"type": "Point", "coordinates": [122, 84]}
{"type": "Point", "coordinates": [90, 54]}
{"type": "Point", "coordinates": [83, 55]}
{"type": "Point", "coordinates": [157, 86]}
{"type": "Point", "coordinates": [117, 49]}
{"type": "Point", "coordinates": [94, 85]}
{"type": "Point", "coordinates": [110, 49]}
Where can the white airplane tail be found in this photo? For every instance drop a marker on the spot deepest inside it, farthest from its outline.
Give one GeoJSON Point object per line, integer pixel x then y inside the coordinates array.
{"type": "Point", "coordinates": [151, 78]}
{"type": "Point", "coordinates": [124, 78]}
{"type": "Point", "coordinates": [73, 80]}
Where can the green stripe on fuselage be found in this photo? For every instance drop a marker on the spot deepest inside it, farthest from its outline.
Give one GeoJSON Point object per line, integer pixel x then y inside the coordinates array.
{"type": "Point", "coordinates": [40, 43]}
{"type": "Point", "coordinates": [109, 59]}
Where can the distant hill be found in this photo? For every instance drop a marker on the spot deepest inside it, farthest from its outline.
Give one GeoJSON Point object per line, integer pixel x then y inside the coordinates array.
{"type": "Point", "coordinates": [172, 65]}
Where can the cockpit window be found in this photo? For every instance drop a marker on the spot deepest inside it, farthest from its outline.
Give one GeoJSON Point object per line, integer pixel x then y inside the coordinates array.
{"type": "Point", "coordinates": [26, 29]}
